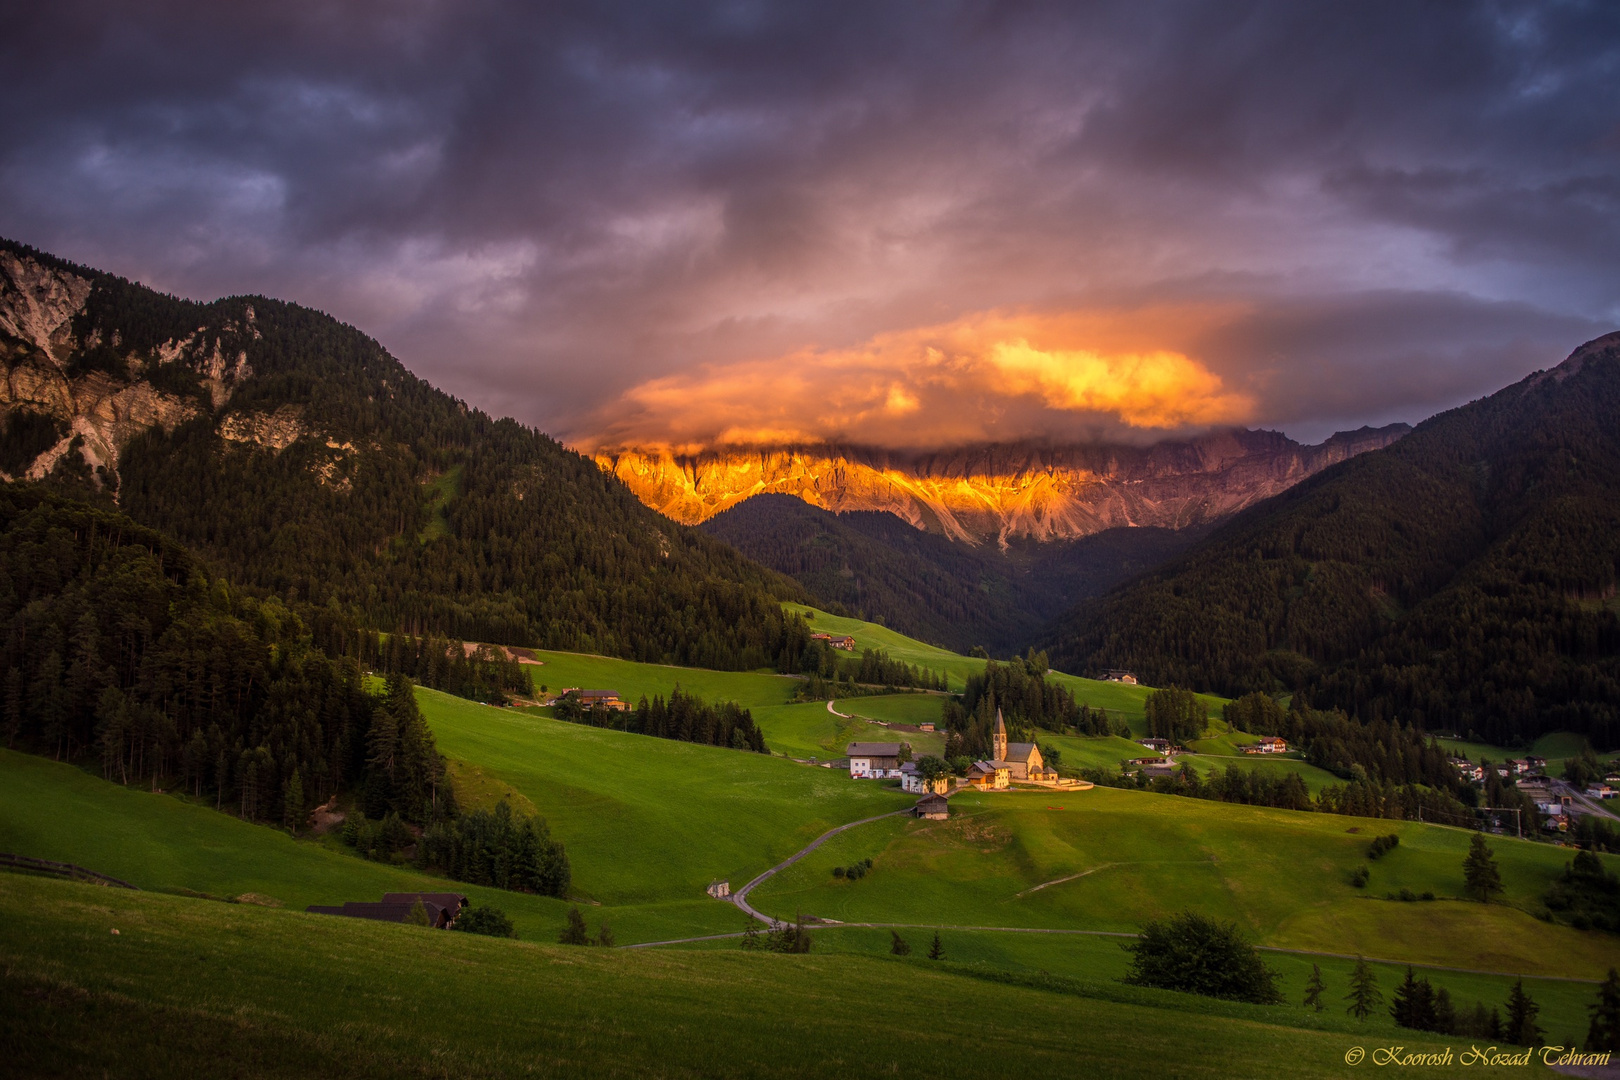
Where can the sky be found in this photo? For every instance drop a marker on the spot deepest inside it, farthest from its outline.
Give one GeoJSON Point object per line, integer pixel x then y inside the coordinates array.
{"type": "Point", "coordinates": [900, 224]}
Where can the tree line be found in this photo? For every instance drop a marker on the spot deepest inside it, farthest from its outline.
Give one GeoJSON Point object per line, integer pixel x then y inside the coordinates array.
{"type": "Point", "coordinates": [684, 717]}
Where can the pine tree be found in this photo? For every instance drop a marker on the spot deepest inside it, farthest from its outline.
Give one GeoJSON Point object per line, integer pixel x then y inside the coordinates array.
{"type": "Point", "coordinates": [1521, 1025]}
{"type": "Point", "coordinates": [574, 933]}
{"type": "Point", "coordinates": [293, 802]}
{"type": "Point", "coordinates": [1479, 869]}
{"type": "Point", "coordinates": [899, 946]}
{"type": "Point", "coordinates": [418, 915]}
{"type": "Point", "coordinates": [750, 937]}
{"type": "Point", "coordinates": [605, 937]}
{"type": "Point", "coordinates": [1604, 1034]}
{"type": "Point", "coordinates": [936, 951]}
{"type": "Point", "coordinates": [1413, 1006]}
{"type": "Point", "coordinates": [1364, 994]}
{"type": "Point", "coordinates": [1314, 987]}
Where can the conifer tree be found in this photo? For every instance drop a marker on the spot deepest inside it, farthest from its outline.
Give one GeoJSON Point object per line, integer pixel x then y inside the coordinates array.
{"type": "Point", "coordinates": [293, 802]}
{"type": "Point", "coordinates": [605, 937]}
{"type": "Point", "coordinates": [1314, 987]}
{"type": "Point", "coordinates": [1364, 994]}
{"type": "Point", "coordinates": [418, 915]}
{"type": "Point", "coordinates": [1603, 1036]}
{"type": "Point", "coordinates": [899, 946]}
{"type": "Point", "coordinates": [936, 951]}
{"type": "Point", "coordinates": [1413, 1006]}
{"type": "Point", "coordinates": [750, 937]}
{"type": "Point", "coordinates": [575, 932]}
{"type": "Point", "coordinates": [1479, 869]}
{"type": "Point", "coordinates": [1521, 1025]}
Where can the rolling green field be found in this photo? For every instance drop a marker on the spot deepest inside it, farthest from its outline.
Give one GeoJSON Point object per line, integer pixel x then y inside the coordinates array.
{"type": "Point", "coordinates": [559, 670]}
{"type": "Point", "coordinates": [1557, 747]}
{"type": "Point", "coordinates": [651, 820]}
{"type": "Point", "coordinates": [218, 989]}
{"type": "Point", "coordinates": [1101, 961]}
{"type": "Point", "coordinates": [1106, 859]}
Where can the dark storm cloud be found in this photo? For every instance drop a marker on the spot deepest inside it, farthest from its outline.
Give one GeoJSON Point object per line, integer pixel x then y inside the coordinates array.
{"type": "Point", "coordinates": [543, 207]}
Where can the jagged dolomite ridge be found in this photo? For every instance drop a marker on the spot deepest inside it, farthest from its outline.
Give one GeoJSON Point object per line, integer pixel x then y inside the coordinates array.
{"type": "Point", "coordinates": [996, 493]}
{"type": "Point", "coordinates": [100, 412]}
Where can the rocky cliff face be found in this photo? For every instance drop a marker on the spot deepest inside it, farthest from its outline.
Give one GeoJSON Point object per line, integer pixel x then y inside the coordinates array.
{"type": "Point", "coordinates": [82, 396]}
{"type": "Point", "coordinates": [995, 493]}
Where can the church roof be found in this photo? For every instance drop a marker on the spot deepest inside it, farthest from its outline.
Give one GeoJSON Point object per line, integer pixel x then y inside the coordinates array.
{"type": "Point", "coordinates": [1001, 725]}
{"type": "Point", "coordinates": [1020, 751]}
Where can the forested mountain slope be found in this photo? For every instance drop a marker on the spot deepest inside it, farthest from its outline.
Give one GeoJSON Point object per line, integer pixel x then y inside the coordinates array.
{"type": "Point", "coordinates": [1463, 578]}
{"type": "Point", "coordinates": [877, 566]}
{"type": "Point", "coordinates": [297, 455]}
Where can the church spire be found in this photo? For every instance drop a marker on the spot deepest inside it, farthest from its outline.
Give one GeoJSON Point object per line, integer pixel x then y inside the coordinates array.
{"type": "Point", "coordinates": [998, 741]}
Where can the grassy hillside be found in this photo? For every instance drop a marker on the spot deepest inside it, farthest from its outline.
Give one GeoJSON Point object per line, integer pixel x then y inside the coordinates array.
{"type": "Point", "coordinates": [651, 820]}
{"type": "Point", "coordinates": [1108, 860]}
{"type": "Point", "coordinates": [224, 990]}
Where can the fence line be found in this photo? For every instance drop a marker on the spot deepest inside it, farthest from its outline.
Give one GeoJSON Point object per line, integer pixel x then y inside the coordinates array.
{"type": "Point", "coordinates": [67, 870]}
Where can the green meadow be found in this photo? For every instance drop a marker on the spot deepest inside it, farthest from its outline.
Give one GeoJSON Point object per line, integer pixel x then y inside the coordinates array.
{"type": "Point", "coordinates": [1108, 860]}
{"type": "Point", "coordinates": [559, 670]}
{"type": "Point", "coordinates": [650, 820]}
{"type": "Point", "coordinates": [218, 989]}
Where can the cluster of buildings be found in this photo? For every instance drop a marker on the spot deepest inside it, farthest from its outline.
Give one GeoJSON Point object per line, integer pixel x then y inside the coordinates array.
{"type": "Point", "coordinates": [1268, 744]}
{"type": "Point", "coordinates": [838, 642]}
{"type": "Point", "coordinates": [1010, 762]}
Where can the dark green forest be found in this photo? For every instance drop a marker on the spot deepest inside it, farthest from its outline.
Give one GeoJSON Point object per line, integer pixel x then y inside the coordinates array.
{"type": "Point", "coordinates": [873, 565]}
{"type": "Point", "coordinates": [399, 507]}
{"type": "Point", "coordinates": [1463, 579]}
{"type": "Point", "coordinates": [684, 717]}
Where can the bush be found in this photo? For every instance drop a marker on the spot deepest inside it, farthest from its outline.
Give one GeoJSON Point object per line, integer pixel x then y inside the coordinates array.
{"type": "Point", "coordinates": [489, 921]}
{"type": "Point", "coordinates": [1197, 955]}
{"type": "Point", "coordinates": [1360, 876]}
{"type": "Point", "coordinates": [1383, 845]}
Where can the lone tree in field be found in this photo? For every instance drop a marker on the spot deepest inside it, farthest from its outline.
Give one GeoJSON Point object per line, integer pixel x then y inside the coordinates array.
{"type": "Point", "coordinates": [1479, 869]}
{"type": "Point", "coordinates": [750, 936]}
{"type": "Point", "coordinates": [1196, 955]}
{"type": "Point", "coordinates": [1364, 994]}
{"type": "Point", "coordinates": [1314, 988]}
{"type": "Point", "coordinates": [936, 951]}
{"type": "Point", "coordinates": [1521, 1027]}
{"type": "Point", "coordinates": [1604, 1034]}
{"type": "Point", "coordinates": [418, 915]}
{"type": "Point", "coordinates": [574, 933]}
{"type": "Point", "coordinates": [900, 946]}
{"type": "Point", "coordinates": [605, 938]}
{"type": "Point", "coordinates": [1414, 1005]}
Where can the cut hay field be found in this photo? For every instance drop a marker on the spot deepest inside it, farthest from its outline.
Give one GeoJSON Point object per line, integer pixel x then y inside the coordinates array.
{"type": "Point", "coordinates": [223, 990]}
{"type": "Point", "coordinates": [1109, 860]}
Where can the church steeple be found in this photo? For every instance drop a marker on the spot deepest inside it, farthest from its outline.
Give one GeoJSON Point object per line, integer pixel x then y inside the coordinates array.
{"type": "Point", "coordinates": [998, 741]}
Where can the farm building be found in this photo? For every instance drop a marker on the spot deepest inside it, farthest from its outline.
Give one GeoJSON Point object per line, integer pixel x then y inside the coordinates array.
{"type": "Point", "coordinates": [873, 760]}
{"type": "Point", "coordinates": [1126, 677]}
{"type": "Point", "coordinates": [934, 807]}
{"type": "Point", "coordinates": [836, 641]}
{"type": "Point", "coordinates": [442, 908]}
{"type": "Point", "coordinates": [988, 775]}
{"type": "Point", "coordinates": [912, 780]}
{"type": "Point", "coordinates": [1268, 744]}
{"type": "Point", "coordinates": [608, 699]}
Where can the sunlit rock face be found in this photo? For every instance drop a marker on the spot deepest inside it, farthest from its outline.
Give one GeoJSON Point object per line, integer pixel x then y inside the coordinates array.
{"type": "Point", "coordinates": [995, 493]}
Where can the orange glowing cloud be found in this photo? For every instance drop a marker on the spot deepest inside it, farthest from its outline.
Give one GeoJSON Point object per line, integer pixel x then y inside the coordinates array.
{"type": "Point", "coordinates": [984, 378]}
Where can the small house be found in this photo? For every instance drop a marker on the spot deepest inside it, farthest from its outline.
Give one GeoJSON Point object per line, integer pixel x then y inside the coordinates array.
{"type": "Point", "coordinates": [873, 760]}
{"type": "Point", "coordinates": [608, 699]}
{"type": "Point", "coordinates": [1126, 677]}
{"type": "Point", "coordinates": [1271, 744]}
{"type": "Point", "coordinates": [988, 775]}
{"type": "Point", "coordinates": [933, 807]}
{"type": "Point", "coordinates": [441, 908]}
{"type": "Point", "coordinates": [1160, 745]}
{"type": "Point", "coordinates": [719, 889]}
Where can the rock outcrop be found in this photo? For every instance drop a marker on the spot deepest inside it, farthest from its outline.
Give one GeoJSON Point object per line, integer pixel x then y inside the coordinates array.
{"type": "Point", "coordinates": [996, 493]}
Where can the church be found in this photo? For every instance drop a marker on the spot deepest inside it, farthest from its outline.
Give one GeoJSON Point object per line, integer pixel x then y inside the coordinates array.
{"type": "Point", "coordinates": [1022, 760]}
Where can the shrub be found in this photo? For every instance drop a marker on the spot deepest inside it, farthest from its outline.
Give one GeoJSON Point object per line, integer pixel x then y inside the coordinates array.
{"type": "Point", "coordinates": [1198, 955]}
{"type": "Point", "coordinates": [489, 921]}
{"type": "Point", "coordinates": [1382, 845]}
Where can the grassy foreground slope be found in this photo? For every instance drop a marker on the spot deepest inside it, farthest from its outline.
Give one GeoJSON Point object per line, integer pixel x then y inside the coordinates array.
{"type": "Point", "coordinates": [1106, 859]}
{"type": "Point", "coordinates": [214, 989]}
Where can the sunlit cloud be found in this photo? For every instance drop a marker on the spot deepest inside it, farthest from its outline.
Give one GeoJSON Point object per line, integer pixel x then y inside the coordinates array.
{"type": "Point", "coordinates": [992, 377]}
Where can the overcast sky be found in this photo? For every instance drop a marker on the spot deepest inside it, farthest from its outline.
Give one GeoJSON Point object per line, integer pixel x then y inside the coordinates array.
{"type": "Point", "coordinates": [904, 224]}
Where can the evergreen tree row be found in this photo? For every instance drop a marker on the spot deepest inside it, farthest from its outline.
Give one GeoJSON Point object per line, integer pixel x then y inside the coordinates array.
{"type": "Point", "coordinates": [684, 717]}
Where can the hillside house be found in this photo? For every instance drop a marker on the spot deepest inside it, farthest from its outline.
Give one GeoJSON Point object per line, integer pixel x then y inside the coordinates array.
{"type": "Point", "coordinates": [934, 807]}
{"type": "Point", "coordinates": [912, 780]}
{"type": "Point", "coordinates": [1519, 766]}
{"type": "Point", "coordinates": [1468, 770]}
{"type": "Point", "coordinates": [1268, 744]}
{"type": "Point", "coordinates": [719, 889]}
{"type": "Point", "coordinates": [873, 760]}
{"type": "Point", "coordinates": [1160, 745]}
{"type": "Point", "coordinates": [1126, 677]}
{"type": "Point", "coordinates": [442, 908]}
{"type": "Point", "coordinates": [608, 699]}
{"type": "Point", "coordinates": [1163, 770]}
{"type": "Point", "coordinates": [1600, 791]}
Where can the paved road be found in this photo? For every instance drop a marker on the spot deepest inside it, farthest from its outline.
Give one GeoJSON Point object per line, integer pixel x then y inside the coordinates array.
{"type": "Point", "coordinates": [740, 897]}
{"type": "Point", "coordinates": [1591, 806]}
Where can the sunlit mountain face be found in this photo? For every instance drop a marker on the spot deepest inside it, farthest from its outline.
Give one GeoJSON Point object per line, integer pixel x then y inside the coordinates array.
{"type": "Point", "coordinates": [997, 493]}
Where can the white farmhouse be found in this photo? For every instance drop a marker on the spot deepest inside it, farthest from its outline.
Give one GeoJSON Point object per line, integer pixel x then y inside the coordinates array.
{"type": "Point", "coordinates": [874, 760]}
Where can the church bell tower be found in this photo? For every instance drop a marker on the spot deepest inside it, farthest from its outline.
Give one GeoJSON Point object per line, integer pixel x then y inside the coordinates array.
{"type": "Point", "coordinates": [998, 741]}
